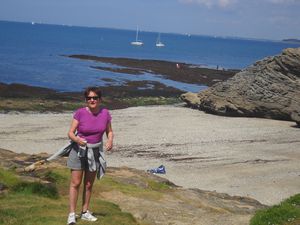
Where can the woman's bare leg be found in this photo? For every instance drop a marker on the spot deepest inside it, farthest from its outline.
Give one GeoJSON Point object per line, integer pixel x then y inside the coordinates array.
{"type": "Point", "coordinates": [76, 177]}
{"type": "Point", "coordinates": [89, 178]}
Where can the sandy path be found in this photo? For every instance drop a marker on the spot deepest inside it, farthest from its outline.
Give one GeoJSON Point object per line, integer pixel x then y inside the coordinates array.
{"type": "Point", "coordinates": [251, 157]}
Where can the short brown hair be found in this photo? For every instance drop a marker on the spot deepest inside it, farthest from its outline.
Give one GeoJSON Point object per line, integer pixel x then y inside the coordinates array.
{"type": "Point", "coordinates": [97, 90]}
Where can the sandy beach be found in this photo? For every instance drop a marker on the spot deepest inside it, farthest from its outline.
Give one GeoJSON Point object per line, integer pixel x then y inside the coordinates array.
{"type": "Point", "coordinates": [252, 157]}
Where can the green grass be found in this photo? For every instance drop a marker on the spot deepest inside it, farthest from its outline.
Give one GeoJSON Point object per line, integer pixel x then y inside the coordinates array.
{"type": "Point", "coordinates": [57, 176]}
{"type": "Point", "coordinates": [34, 188]}
{"type": "Point", "coordinates": [286, 213]}
{"type": "Point", "coordinates": [20, 209]}
{"type": "Point", "coordinates": [50, 105]}
{"type": "Point", "coordinates": [28, 203]}
{"type": "Point", "coordinates": [8, 178]}
{"type": "Point", "coordinates": [149, 190]}
{"type": "Point", "coordinates": [143, 101]}
{"type": "Point", "coordinates": [112, 214]}
{"type": "Point", "coordinates": [157, 186]}
{"type": "Point", "coordinates": [35, 104]}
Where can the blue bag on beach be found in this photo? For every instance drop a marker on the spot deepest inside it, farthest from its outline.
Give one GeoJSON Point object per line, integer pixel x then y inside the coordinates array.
{"type": "Point", "coordinates": [160, 170]}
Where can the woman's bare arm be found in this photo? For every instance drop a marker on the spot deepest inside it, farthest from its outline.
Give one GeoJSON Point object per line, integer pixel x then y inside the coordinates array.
{"type": "Point", "coordinates": [110, 137]}
{"type": "Point", "coordinates": [72, 135]}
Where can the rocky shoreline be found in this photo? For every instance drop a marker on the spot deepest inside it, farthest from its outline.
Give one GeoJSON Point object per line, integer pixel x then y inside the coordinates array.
{"type": "Point", "coordinates": [21, 97]}
{"type": "Point", "coordinates": [269, 88]}
{"type": "Point", "coordinates": [176, 71]}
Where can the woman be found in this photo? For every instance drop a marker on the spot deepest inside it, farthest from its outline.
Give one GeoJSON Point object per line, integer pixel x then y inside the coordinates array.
{"type": "Point", "coordinates": [86, 157]}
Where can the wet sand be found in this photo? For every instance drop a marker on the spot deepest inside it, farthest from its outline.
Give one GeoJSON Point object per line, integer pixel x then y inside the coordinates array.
{"type": "Point", "coordinates": [252, 157]}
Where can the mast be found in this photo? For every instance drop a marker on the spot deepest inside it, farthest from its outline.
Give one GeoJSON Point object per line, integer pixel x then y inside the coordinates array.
{"type": "Point", "coordinates": [137, 33]}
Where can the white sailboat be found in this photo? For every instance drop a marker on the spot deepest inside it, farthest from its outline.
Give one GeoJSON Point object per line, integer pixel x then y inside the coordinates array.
{"type": "Point", "coordinates": [158, 42]}
{"type": "Point", "coordinates": [137, 42]}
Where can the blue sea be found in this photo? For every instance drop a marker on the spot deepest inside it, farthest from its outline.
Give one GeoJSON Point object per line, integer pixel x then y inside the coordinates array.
{"type": "Point", "coordinates": [32, 53]}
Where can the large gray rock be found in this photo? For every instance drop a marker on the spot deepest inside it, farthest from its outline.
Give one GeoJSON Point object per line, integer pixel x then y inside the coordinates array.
{"type": "Point", "coordinates": [270, 88]}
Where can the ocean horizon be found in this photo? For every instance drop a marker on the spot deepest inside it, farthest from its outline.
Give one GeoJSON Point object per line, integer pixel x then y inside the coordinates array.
{"type": "Point", "coordinates": [32, 53]}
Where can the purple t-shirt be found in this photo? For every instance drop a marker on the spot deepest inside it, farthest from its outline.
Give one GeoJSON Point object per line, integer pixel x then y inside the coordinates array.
{"type": "Point", "coordinates": [91, 127]}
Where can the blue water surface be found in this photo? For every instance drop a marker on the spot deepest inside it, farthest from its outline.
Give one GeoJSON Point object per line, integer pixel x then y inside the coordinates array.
{"type": "Point", "coordinates": [33, 54]}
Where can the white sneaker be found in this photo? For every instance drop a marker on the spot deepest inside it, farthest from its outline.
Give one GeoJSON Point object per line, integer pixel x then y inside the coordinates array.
{"type": "Point", "coordinates": [71, 218]}
{"type": "Point", "coordinates": [88, 216]}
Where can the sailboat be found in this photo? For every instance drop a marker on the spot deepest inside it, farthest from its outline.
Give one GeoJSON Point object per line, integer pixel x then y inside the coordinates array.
{"type": "Point", "coordinates": [137, 42]}
{"type": "Point", "coordinates": [158, 42]}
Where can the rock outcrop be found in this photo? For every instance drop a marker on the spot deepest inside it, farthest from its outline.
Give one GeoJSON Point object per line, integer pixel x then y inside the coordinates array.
{"type": "Point", "coordinates": [270, 88]}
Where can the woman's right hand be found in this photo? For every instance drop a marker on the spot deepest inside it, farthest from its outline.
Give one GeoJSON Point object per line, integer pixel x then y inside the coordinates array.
{"type": "Point", "coordinates": [80, 141]}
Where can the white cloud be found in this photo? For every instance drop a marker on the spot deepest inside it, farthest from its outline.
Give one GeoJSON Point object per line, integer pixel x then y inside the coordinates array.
{"type": "Point", "coordinates": [229, 3]}
{"type": "Point", "coordinates": [281, 1]}
{"type": "Point", "coordinates": [225, 3]}
{"type": "Point", "coordinates": [207, 3]}
{"type": "Point", "coordinates": [210, 3]}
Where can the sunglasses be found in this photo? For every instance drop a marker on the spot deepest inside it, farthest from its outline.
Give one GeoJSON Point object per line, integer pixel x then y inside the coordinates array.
{"type": "Point", "coordinates": [93, 97]}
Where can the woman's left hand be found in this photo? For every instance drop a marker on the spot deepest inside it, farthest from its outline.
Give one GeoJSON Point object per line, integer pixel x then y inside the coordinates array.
{"type": "Point", "coordinates": [109, 145]}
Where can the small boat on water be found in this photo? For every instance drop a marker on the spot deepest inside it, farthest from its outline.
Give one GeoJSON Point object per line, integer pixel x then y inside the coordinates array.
{"type": "Point", "coordinates": [158, 42]}
{"type": "Point", "coordinates": [137, 42]}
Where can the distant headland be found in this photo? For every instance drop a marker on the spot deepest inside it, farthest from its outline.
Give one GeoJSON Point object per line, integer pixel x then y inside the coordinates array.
{"type": "Point", "coordinates": [292, 40]}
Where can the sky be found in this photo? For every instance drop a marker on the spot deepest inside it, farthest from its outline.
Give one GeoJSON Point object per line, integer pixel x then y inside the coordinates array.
{"type": "Point", "coordinates": [262, 19]}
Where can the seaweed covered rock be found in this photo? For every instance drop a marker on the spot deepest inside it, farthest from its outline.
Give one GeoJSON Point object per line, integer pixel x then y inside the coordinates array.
{"type": "Point", "coordinates": [270, 88]}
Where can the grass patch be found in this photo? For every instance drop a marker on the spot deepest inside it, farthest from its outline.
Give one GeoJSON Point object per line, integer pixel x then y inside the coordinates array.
{"type": "Point", "coordinates": [149, 189]}
{"type": "Point", "coordinates": [158, 186]}
{"type": "Point", "coordinates": [35, 104]}
{"type": "Point", "coordinates": [45, 190]}
{"type": "Point", "coordinates": [13, 182]}
{"type": "Point", "coordinates": [36, 203]}
{"type": "Point", "coordinates": [8, 178]}
{"type": "Point", "coordinates": [143, 101]}
{"type": "Point", "coordinates": [108, 183]}
{"type": "Point", "coordinates": [111, 214]}
{"type": "Point", "coordinates": [286, 213]}
{"type": "Point", "coordinates": [27, 210]}
{"type": "Point", "coordinates": [55, 176]}
{"type": "Point", "coordinates": [52, 105]}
